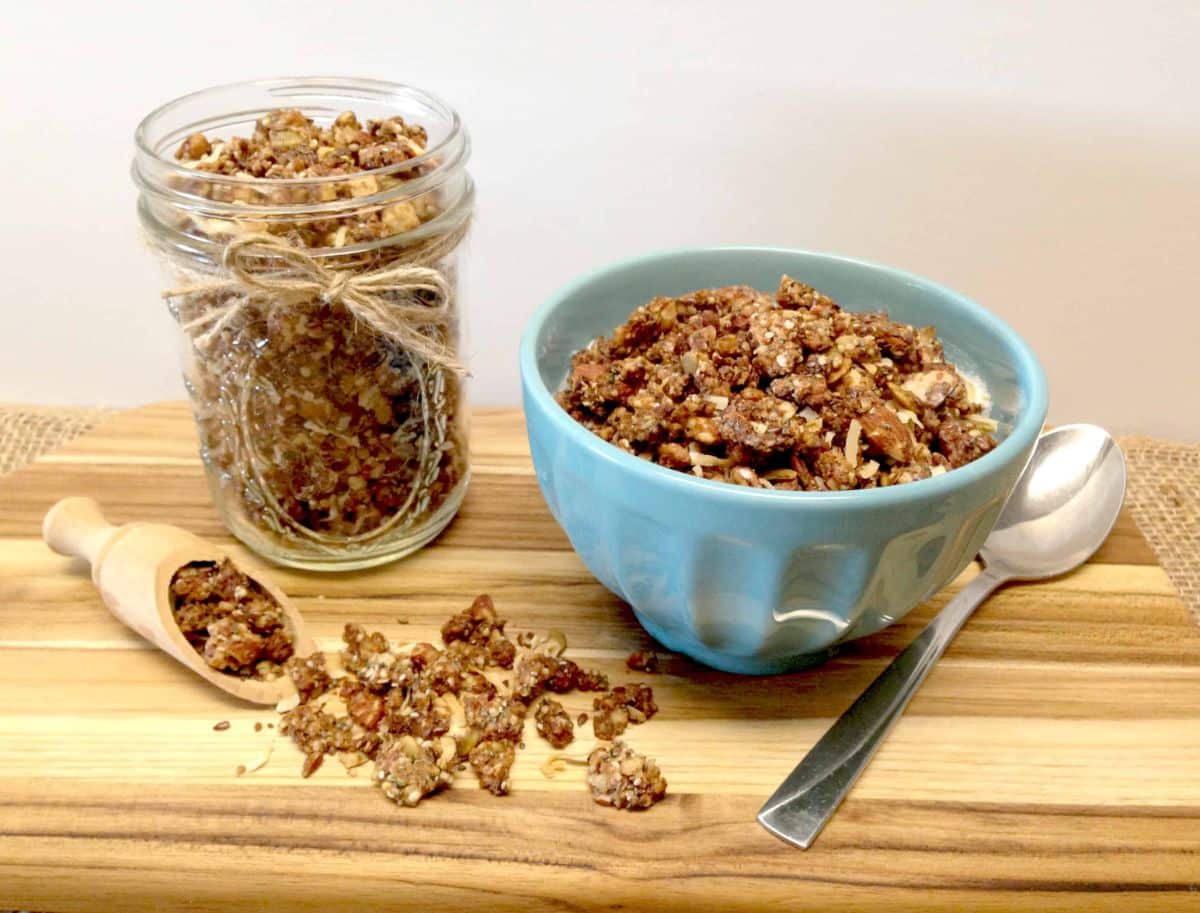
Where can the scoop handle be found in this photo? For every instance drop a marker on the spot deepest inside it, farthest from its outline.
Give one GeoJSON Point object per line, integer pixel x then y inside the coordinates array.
{"type": "Point", "coordinates": [76, 527]}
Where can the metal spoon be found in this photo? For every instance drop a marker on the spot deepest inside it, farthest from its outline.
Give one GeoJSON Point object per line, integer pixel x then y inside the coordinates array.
{"type": "Point", "coordinates": [1063, 508]}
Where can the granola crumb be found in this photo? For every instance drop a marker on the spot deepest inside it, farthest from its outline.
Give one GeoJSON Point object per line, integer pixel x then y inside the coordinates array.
{"type": "Point", "coordinates": [239, 770]}
{"type": "Point", "coordinates": [221, 726]}
{"type": "Point", "coordinates": [258, 727]}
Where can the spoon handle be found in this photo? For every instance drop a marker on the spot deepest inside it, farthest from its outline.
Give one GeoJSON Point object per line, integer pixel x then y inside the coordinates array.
{"type": "Point", "coordinates": [806, 800]}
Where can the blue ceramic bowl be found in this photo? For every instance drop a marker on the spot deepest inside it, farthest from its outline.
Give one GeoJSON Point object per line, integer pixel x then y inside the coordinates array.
{"type": "Point", "coordinates": [752, 580]}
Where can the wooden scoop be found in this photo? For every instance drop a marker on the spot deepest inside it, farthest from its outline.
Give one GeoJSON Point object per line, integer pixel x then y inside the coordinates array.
{"type": "Point", "coordinates": [133, 565]}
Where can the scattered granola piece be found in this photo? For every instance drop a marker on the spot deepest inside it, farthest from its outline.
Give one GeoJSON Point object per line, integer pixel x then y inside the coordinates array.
{"type": "Point", "coordinates": [420, 713]}
{"type": "Point", "coordinates": [618, 708]}
{"type": "Point", "coordinates": [408, 770]}
{"type": "Point", "coordinates": [494, 717]}
{"type": "Point", "coordinates": [308, 675]}
{"type": "Point", "coordinates": [620, 777]}
{"type": "Point", "coordinates": [492, 760]}
{"type": "Point", "coordinates": [590, 680]}
{"type": "Point", "coordinates": [310, 727]}
{"type": "Point", "coordinates": [221, 726]}
{"type": "Point", "coordinates": [554, 723]}
{"type": "Point", "coordinates": [642, 661]}
{"type": "Point", "coordinates": [370, 658]}
{"type": "Point", "coordinates": [480, 626]}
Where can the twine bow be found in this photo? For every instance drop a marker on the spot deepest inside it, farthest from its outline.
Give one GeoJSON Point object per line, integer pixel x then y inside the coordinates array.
{"type": "Point", "coordinates": [263, 266]}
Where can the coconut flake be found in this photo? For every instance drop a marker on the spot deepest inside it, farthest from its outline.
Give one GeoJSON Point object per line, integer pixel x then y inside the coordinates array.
{"type": "Point", "coordinates": [851, 448]}
{"type": "Point", "coordinates": [259, 762]}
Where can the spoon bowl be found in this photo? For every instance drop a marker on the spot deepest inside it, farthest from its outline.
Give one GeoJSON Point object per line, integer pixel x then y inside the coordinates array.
{"type": "Point", "coordinates": [1063, 507]}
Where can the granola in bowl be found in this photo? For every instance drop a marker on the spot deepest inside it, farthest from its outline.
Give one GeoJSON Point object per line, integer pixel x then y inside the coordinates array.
{"type": "Point", "coordinates": [785, 391]}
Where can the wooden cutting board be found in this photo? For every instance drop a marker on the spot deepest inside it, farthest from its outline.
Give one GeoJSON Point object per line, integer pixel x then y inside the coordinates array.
{"type": "Point", "coordinates": [1051, 762]}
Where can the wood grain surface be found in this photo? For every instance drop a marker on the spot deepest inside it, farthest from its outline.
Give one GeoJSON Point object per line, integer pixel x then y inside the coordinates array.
{"type": "Point", "coordinates": [1051, 762]}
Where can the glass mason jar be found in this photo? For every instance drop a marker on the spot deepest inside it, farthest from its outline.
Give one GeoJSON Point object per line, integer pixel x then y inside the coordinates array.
{"type": "Point", "coordinates": [319, 312]}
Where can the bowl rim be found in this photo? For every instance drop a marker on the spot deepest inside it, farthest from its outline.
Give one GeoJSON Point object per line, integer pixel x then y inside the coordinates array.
{"type": "Point", "coordinates": [1028, 425]}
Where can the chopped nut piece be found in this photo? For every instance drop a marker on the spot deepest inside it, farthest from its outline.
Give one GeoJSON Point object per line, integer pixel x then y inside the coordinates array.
{"type": "Point", "coordinates": [620, 777]}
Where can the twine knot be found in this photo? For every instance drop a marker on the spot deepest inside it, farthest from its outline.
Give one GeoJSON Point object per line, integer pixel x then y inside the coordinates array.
{"type": "Point", "coordinates": [407, 302]}
{"type": "Point", "coordinates": [336, 287]}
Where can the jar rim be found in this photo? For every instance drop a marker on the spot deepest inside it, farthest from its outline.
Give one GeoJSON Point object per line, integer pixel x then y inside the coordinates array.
{"type": "Point", "coordinates": [379, 88]}
{"type": "Point", "coordinates": [164, 184]}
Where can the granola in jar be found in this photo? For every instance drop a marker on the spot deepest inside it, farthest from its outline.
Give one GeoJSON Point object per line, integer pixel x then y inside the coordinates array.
{"type": "Point", "coordinates": [312, 264]}
{"type": "Point", "coordinates": [784, 391]}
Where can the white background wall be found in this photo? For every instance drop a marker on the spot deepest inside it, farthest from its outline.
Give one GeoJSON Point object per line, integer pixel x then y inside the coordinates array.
{"type": "Point", "coordinates": [1042, 157]}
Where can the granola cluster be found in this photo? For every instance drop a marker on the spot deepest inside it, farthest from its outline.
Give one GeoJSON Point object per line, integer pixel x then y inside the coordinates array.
{"type": "Point", "coordinates": [420, 713]}
{"type": "Point", "coordinates": [288, 145]}
{"type": "Point", "coordinates": [620, 777]}
{"type": "Point", "coordinates": [325, 439]}
{"type": "Point", "coordinates": [234, 623]}
{"type": "Point", "coordinates": [787, 391]}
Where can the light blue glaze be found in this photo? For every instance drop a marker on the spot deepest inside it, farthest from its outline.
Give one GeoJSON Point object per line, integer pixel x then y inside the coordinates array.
{"type": "Point", "coordinates": [758, 581]}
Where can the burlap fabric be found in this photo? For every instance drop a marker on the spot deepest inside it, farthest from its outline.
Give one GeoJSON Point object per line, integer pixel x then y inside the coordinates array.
{"type": "Point", "coordinates": [1164, 497]}
{"type": "Point", "coordinates": [1164, 483]}
{"type": "Point", "coordinates": [29, 431]}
